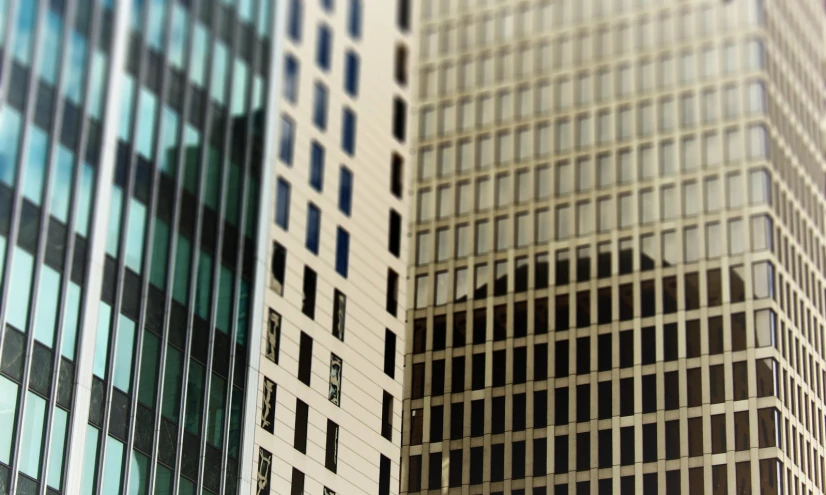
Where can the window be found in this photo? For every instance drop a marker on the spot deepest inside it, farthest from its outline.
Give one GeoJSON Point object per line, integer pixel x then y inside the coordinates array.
{"type": "Point", "coordinates": [323, 52]}
{"type": "Point", "coordinates": [282, 204]}
{"type": "Point", "coordinates": [342, 251]}
{"type": "Point", "coordinates": [384, 476]}
{"type": "Point", "coordinates": [287, 137]}
{"type": "Point", "coordinates": [331, 459]}
{"type": "Point", "coordinates": [387, 416]}
{"type": "Point", "coordinates": [300, 438]}
{"type": "Point", "coordinates": [400, 61]}
{"type": "Point", "coordinates": [399, 119]}
{"type": "Point", "coordinates": [348, 131]}
{"type": "Point", "coordinates": [395, 235]}
{"type": "Point", "coordinates": [291, 77]}
{"type": "Point", "coordinates": [351, 73]}
{"type": "Point", "coordinates": [392, 291]}
{"type": "Point", "coordinates": [345, 190]}
{"type": "Point", "coordinates": [297, 483]}
{"type": "Point", "coordinates": [320, 100]}
{"type": "Point", "coordinates": [294, 18]}
{"type": "Point", "coordinates": [305, 358]}
{"type": "Point", "coordinates": [309, 291]}
{"type": "Point", "coordinates": [389, 353]}
{"type": "Point", "coordinates": [354, 18]}
{"type": "Point", "coordinates": [317, 166]}
{"type": "Point", "coordinates": [278, 268]}
{"type": "Point", "coordinates": [396, 176]}
{"type": "Point", "coordinates": [313, 228]}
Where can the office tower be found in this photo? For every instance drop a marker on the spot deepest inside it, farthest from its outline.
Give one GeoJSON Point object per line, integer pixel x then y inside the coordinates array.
{"type": "Point", "coordinates": [617, 273]}
{"type": "Point", "coordinates": [329, 413]}
{"type": "Point", "coordinates": [132, 150]}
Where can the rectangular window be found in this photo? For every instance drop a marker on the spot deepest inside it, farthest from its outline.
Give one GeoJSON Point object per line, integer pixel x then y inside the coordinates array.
{"type": "Point", "coordinates": [282, 204]}
{"type": "Point", "coordinates": [331, 459]}
{"type": "Point", "coordinates": [387, 416]}
{"type": "Point", "coordinates": [286, 141]}
{"type": "Point", "coordinates": [313, 228]}
{"type": "Point", "coordinates": [354, 19]}
{"type": "Point", "coordinates": [384, 476]}
{"type": "Point", "coordinates": [320, 102]}
{"type": "Point", "coordinates": [295, 17]}
{"type": "Point", "coordinates": [339, 314]}
{"type": "Point", "coordinates": [351, 73]}
{"type": "Point", "coordinates": [348, 131]}
{"type": "Point", "coordinates": [345, 190]}
{"type": "Point", "coordinates": [392, 292]}
{"type": "Point", "coordinates": [308, 301]}
{"type": "Point", "coordinates": [397, 176]}
{"type": "Point", "coordinates": [342, 252]}
{"type": "Point", "coordinates": [399, 119]}
{"type": "Point", "coordinates": [305, 358]}
{"type": "Point", "coordinates": [317, 166]}
{"type": "Point", "coordinates": [323, 51]}
{"type": "Point", "coordinates": [389, 353]}
{"type": "Point", "coordinates": [278, 268]}
{"type": "Point", "coordinates": [395, 236]}
{"type": "Point", "coordinates": [292, 71]}
{"type": "Point", "coordinates": [301, 415]}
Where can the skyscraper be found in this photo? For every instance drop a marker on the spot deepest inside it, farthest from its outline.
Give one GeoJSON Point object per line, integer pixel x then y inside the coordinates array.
{"type": "Point", "coordinates": [329, 412]}
{"type": "Point", "coordinates": [617, 270]}
{"type": "Point", "coordinates": [134, 144]}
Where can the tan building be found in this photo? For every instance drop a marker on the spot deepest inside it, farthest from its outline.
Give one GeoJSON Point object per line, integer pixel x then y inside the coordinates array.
{"type": "Point", "coordinates": [617, 248]}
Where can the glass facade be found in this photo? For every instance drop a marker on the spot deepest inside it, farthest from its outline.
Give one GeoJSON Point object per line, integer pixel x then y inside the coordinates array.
{"type": "Point", "coordinates": [132, 139]}
{"type": "Point", "coordinates": [674, 343]}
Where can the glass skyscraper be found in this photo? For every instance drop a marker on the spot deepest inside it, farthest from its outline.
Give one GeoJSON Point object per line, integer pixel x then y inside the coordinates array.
{"type": "Point", "coordinates": [618, 259]}
{"type": "Point", "coordinates": [133, 137]}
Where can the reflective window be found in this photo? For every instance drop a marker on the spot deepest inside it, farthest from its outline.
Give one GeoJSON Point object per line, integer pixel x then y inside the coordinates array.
{"type": "Point", "coordinates": [292, 69]}
{"type": "Point", "coordinates": [76, 69]}
{"type": "Point", "coordinates": [31, 436]}
{"type": "Point", "coordinates": [287, 136]}
{"type": "Point", "coordinates": [50, 47]}
{"type": "Point", "coordinates": [122, 377]}
{"type": "Point", "coordinates": [342, 252]}
{"type": "Point", "coordinates": [351, 73]}
{"type": "Point", "coordinates": [24, 32]}
{"type": "Point", "coordinates": [323, 52]}
{"type": "Point", "coordinates": [145, 133]}
{"type": "Point", "coordinates": [295, 15]}
{"type": "Point", "coordinates": [240, 82]}
{"type": "Point", "coordinates": [177, 36]}
{"type": "Point", "coordinates": [282, 204]}
{"type": "Point", "coordinates": [348, 131]}
{"type": "Point", "coordinates": [316, 166]}
{"type": "Point", "coordinates": [198, 55]}
{"type": "Point", "coordinates": [345, 190]}
{"type": "Point", "coordinates": [320, 100]}
{"type": "Point", "coordinates": [47, 301]}
{"type": "Point", "coordinates": [38, 155]}
{"type": "Point", "coordinates": [17, 313]}
{"type": "Point", "coordinates": [9, 144]}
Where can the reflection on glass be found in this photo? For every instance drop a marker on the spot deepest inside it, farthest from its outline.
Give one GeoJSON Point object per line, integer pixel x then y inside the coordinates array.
{"type": "Point", "coordinates": [194, 397]}
{"type": "Point", "coordinates": [47, 301]}
{"type": "Point", "coordinates": [76, 68]}
{"type": "Point", "coordinates": [38, 153]}
{"type": "Point", "coordinates": [215, 417]}
{"type": "Point", "coordinates": [172, 383]}
{"type": "Point", "coordinates": [149, 369]}
{"type": "Point", "coordinates": [9, 141]}
{"type": "Point", "coordinates": [24, 31]}
{"type": "Point", "coordinates": [17, 313]}
{"type": "Point", "coordinates": [138, 474]}
{"type": "Point", "coordinates": [122, 378]}
{"type": "Point", "coordinates": [54, 476]}
{"type": "Point", "coordinates": [180, 288]}
{"type": "Point", "coordinates": [112, 466]}
{"type": "Point", "coordinates": [84, 201]}
{"type": "Point", "coordinates": [31, 436]}
{"type": "Point", "coordinates": [113, 235]}
{"type": "Point", "coordinates": [90, 452]}
{"type": "Point", "coordinates": [8, 413]}
{"type": "Point", "coordinates": [50, 47]}
{"type": "Point", "coordinates": [135, 235]}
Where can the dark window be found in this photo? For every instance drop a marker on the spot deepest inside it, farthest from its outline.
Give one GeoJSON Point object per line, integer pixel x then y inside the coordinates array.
{"type": "Point", "coordinates": [562, 267]}
{"type": "Point", "coordinates": [768, 427]}
{"type": "Point", "coordinates": [648, 345]}
{"type": "Point", "coordinates": [278, 268]}
{"type": "Point", "coordinates": [439, 332]}
{"type": "Point", "coordinates": [403, 19]}
{"type": "Point", "coordinates": [738, 332]}
{"type": "Point", "coordinates": [477, 465]}
{"type": "Point", "coordinates": [520, 319]}
{"type": "Point", "coordinates": [308, 301]}
{"type": "Point", "coordinates": [419, 335]}
{"type": "Point", "coordinates": [437, 378]}
{"type": "Point", "coordinates": [323, 52]}
{"type": "Point", "coordinates": [583, 402]}
{"type": "Point", "coordinates": [561, 406]}
{"type": "Point", "coordinates": [297, 484]}
{"type": "Point", "coordinates": [540, 362]}
{"type": "Point", "coordinates": [434, 477]}
{"type": "Point", "coordinates": [457, 420]}
{"type": "Point", "coordinates": [719, 480]}
{"type": "Point", "coordinates": [295, 19]}
{"type": "Point", "coordinates": [282, 204]}
{"type": "Point", "coordinates": [694, 387]}
{"type": "Point", "coordinates": [691, 294]}
{"type": "Point", "coordinates": [718, 433]}
{"type": "Point", "coordinates": [480, 326]}
{"type": "Point", "coordinates": [604, 352]}
{"type": "Point", "coordinates": [399, 119]}
{"type": "Point", "coordinates": [540, 456]}
{"type": "Point", "coordinates": [606, 486]}
{"type": "Point", "coordinates": [717, 385]}
{"type": "Point", "coordinates": [604, 260]}
{"type": "Point", "coordinates": [455, 473]}
{"type": "Point", "coordinates": [400, 62]}
{"type": "Point", "coordinates": [562, 315]}
{"type": "Point", "coordinates": [739, 373]}
{"type": "Point", "coordinates": [520, 363]}
{"type": "Point", "coordinates": [742, 477]}
{"type": "Point", "coordinates": [292, 69]}
{"type": "Point", "coordinates": [317, 166]}
{"type": "Point", "coordinates": [417, 385]}
{"type": "Point", "coordinates": [395, 235]}
{"type": "Point", "coordinates": [695, 437]}
{"type": "Point", "coordinates": [714, 287]}
{"type": "Point", "coordinates": [649, 484]}
{"type": "Point", "coordinates": [518, 412]}
{"type": "Point", "coordinates": [692, 339]}
{"type": "Point", "coordinates": [414, 477]}
{"type": "Point", "coordinates": [741, 430]}
{"type": "Point", "coordinates": [300, 437]}
{"type": "Point", "coordinates": [672, 439]}
{"type": "Point", "coordinates": [626, 302]}
{"type": "Point", "coordinates": [562, 364]}
{"type": "Point", "coordinates": [305, 358]}
{"type": "Point", "coordinates": [648, 298]}
{"type": "Point", "coordinates": [457, 374]}
{"type": "Point", "coordinates": [540, 408]}
{"type": "Point", "coordinates": [342, 252]}
{"type": "Point", "coordinates": [459, 329]}
{"type": "Point", "coordinates": [339, 314]}
{"type": "Point", "coordinates": [498, 415]}
{"type": "Point", "coordinates": [649, 442]}
{"type": "Point", "coordinates": [518, 460]}
{"type": "Point", "coordinates": [389, 353]}
{"type": "Point", "coordinates": [331, 461]}
{"type": "Point", "coordinates": [715, 335]}
{"type": "Point", "coordinates": [583, 451]}
{"type": "Point", "coordinates": [627, 396]}
{"type": "Point", "coordinates": [583, 355]}
{"type": "Point", "coordinates": [500, 322]}
{"type": "Point", "coordinates": [387, 416]}
{"type": "Point", "coordinates": [392, 292]}
{"type": "Point", "coordinates": [626, 256]}
{"type": "Point", "coordinates": [478, 373]}
{"type": "Point", "coordinates": [348, 131]}
{"type": "Point", "coordinates": [605, 399]}
{"type": "Point", "coordinates": [670, 348]}
{"type": "Point", "coordinates": [627, 449]}
{"type": "Point", "coordinates": [354, 19]}
{"type": "Point", "coordinates": [437, 416]}
{"type": "Point", "coordinates": [737, 286]}
{"type": "Point", "coordinates": [626, 348]}
{"type": "Point", "coordinates": [649, 393]}
{"type": "Point", "coordinates": [384, 476]}
{"type": "Point", "coordinates": [499, 368]}
{"type": "Point", "coordinates": [477, 418]}
{"type": "Point", "coordinates": [416, 426]}
{"type": "Point", "coordinates": [351, 73]}
{"type": "Point", "coordinates": [320, 105]}
{"type": "Point", "coordinates": [397, 176]}
{"type": "Point", "coordinates": [561, 454]}
{"type": "Point", "coordinates": [497, 462]}
{"type": "Point", "coordinates": [606, 446]}
{"type": "Point", "coordinates": [670, 297]}
{"type": "Point", "coordinates": [345, 190]}
{"type": "Point", "coordinates": [583, 309]}
{"type": "Point", "coordinates": [604, 305]}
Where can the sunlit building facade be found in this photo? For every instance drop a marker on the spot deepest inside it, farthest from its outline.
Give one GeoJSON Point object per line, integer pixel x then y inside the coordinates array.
{"type": "Point", "coordinates": [616, 279]}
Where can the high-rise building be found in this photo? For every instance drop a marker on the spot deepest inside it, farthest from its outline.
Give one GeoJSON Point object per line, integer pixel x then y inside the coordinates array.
{"type": "Point", "coordinates": [329, 412]}
{"type": "Point", "coordinates": [132, 152]}
{"type": "Point", "coordinates": [617, 274]}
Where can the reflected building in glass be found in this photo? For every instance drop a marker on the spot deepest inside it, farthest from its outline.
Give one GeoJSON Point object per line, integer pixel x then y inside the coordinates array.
{"type": "Point", "coordinates": [617, 265]}
{"type": "Point", "coordinates": [133, 145]}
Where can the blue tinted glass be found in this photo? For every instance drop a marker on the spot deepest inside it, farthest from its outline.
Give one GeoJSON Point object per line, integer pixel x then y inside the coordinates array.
{"type": "Point", "coordinates": [313, 228]}
{"type": "Point", "coordinates": [50, 47]}
{"type": "Point", "coordinates": [240, 82]}
{"type": "Point", "coordinates": [180, 290]}
{"type": "Point", "coordinates": [3, 242]}
{"type": "Point", "coordinates": [291, 74]}
{"type": "Point", "coordinates": [264, 17]}
{"type": "Point", "coordinates": [342, 252]}
{"type": "Point", "coordinates": [345, 191]}
{"type": "Point", "coordinates": [9, 144]}
{"type": "Point", "coordinates": [354, 19]}
{"type": "Point", "coordinates": [172, 384]}
{"type": "Point", "coordinates": [320, 106]}
{"type": "Point", "coordinates": [323, 50]}
{"type": "Point", "coordinates": [112, 466]}
{"type": "Point", "coordinates": [147, 380]}
{"type": "Point", "coordinates": [102, 340]}
{"type": "Point", "coordinates": [177, 36]}
{"type": "Point", "coordinates": [4, 13]}
{"type": "Point", "coordinates": [317, 166]}
{"type": "Point", "coordinates": [137, 13]}
{"type": "Point", "coordinates": [24, 34]}
{"type": "Point", "coordinates": [220, 66]}
{"type": "Point", "coordinates": [122, 376]}
{"type": "Point", "coordinates": [348, 131]}
{"type": "Point", "coordinates": [113, 235]}
{"type": "Point", "coordinates": [8, 412]}
{"type": "Point", "coordinates": [282, 204]}
{"type": "Point", "coordinates": [194, 397]}
{"type": "Point", "coordinates": [351, 73]}
{"type": "Point", "coordinates": [213, 178]}
{"type": "Point", "coordinates": [200, 48]}
{"type": "Point", "coordinates": [62, 184]}
{"type": "Point", "coordinates": [135, 235]}
{"type": "Point", "coordinates": [169, 141]}
{"type": "Point", "coordinates": [203, 289]}
{"type": "Point", "coordinates": [96, 84]}
{"type": "Point", "coordinates": [31, 436]}
{"type": "Point", "coordinates": [126, 100]}
{"type": "Point", "coordinates": [84, 199]}
{"type": "Point", "coordinates": [139, 474]}
{"type": "Point", "coordinates": [70, 320]}
{"type": "Point", "coordinates": [155, 24]}
{"type": "Point", "coordinates": [160, 252]}
{"type": "Point", "coordinates": [54, 477]}
{"type": "Point", "coordinates": [285, 146]}
{"type": "Point", "coordinates": [36, 165]}
{"type": "Point", "coordinates": [147, 111]}
{"type": "Point", "coordinates": [90, 454]}
{"type": "Point", "coordinates": [223, 314]}
{"type": "Point", "coordinates": [17, 311]}
{"type": "Point", "coordinates": [295, 17]}
{"type": "Point", "coordinates": [76, 69]}
{"type": "Point", "coordinates": [245, 10]}
{"type": "Point", "coordinates": [327, 4]}
{"type": "Point", "coordinates": [215, 418]}
{"type": "Point", "coordinates": [48, 292]}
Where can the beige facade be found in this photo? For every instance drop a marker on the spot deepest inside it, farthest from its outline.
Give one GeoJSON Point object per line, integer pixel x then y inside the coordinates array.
{"type": "Point", "coordinates": [616, 279]}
